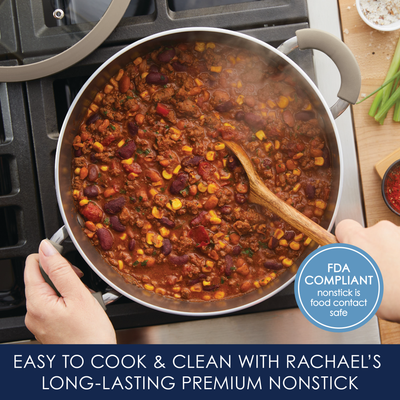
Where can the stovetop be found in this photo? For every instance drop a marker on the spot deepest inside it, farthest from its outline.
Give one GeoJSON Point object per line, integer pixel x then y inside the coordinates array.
{"type": "Point", "coordinates": [32, 113]}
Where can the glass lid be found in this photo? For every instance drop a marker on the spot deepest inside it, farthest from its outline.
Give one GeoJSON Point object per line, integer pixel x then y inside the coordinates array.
{"type": "Point", "coordinates": [41, 37]}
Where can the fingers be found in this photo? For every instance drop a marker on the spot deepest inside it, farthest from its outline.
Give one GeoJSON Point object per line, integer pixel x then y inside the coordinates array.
{"type": "Point", "coordinates": [346, 230]}
{"type": "Point", "coordinates": [60, 272]}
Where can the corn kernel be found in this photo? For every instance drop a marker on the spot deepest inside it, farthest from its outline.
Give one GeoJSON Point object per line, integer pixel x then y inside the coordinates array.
{"type": "Point", "coordinates": [98, 147]}
{"type": "Point", "coordinates": [297, 156]}
{"type": "Point", "coordinates": [176, 204]}
{"type": "Point", "coordinates": [120, 264]}
{"type": "Point", "coordinates": [222, 244]}
{"type": "Point", "coordinates": [219, 146]}
{"type": "Point", "coordinates": [262, 106]}
{"type": "Point", "coordinates": [309, 107]}
{"type": "Point", "coordinates": [140, 252]}
{"type": "Point", "coordinates": [158, 183]}
{"type": "Point", "coordinates": [176, 133]}
{"type": "Point", "coordinates": [149, 237]}
{"type": "Point", "coordinates": [187, 149]}
{"type": "Point", "coordinates": [196, 288]}
{"type": "Point", "coordinates": [319, 161]}
{"type": "Point", "coordinates": [278, 234]}
{"type": "Point", "coordinates": [164, 232]}
{"type": "Point", "coordinates": [257, 284]}
{"type": "Point", "coordinates": [217, 175]}
{"type": "Point", "coordinates": [299, 237]}
{"type": "Point", "coordinates": [98, 98]}
{"type": "Point", "coordinates": [268, 146]}
{"type": "Point", "coordinates": [177, 169]}
{"type": "Point", "coordinates": [320, 204]}
{"type": "Point", "coordinates": [166, 174]}
{"type": "Point", "coordinates": [219, 295]}
{"type": "Point", "coordinates": [240, 100]}
{"type": "Point", "coordinates": [287, 262]}
{"type": "Point", "coordinates": [99, 226]}
{"type": "Point", "coordinates": [161, 291]}
{"type": "Point", "coordinates": [143, 76]}
{"type": "Point", "coordinates": [104, 168]}
{"type": "Point", "coordinates": [239, 84]}
{"type": "Point", "coordinates": [271, 103]}
{"type": "Point", "coordinates": [200, 46]}
{"type": "Point", "coordinates": [156, 213]}
{"type": "Point", "coordinates": [217, 68]}
{"type": "Point", "coordinates": [202, 187]}
{"type": "Point", "coordinates": [210, 45]}
{"type": "Point", "coordinates": [123, 236]}
{"type": "Point", "coordinates": [127, 161]}
{"type": "Point", "coordinates": [144, 94]}
{"type": "Point", "coordinates": [132, 176]}
{"type": "Point", "coordinates": [206, 297]}
{"type": "Point", "coordinates": [91, 226]}
{"type": "Point", "coordinates": [77, 171]}
{"type": "Point", "coordinates": [232, 60]}
{"type": "Point", "coordinates": [294, 245]}
{"type": "Point", "coordinates": [261, 135]}
{"type": "Point", "coordinates": [198, 82]}
{"type": "Point", "coordinates": [283, 242]}
{"type": "Point", "coordinates": [83, 202]}
{"type": "Point", "coordinates": [296, 188]}
{"type": "Point", "coordinates": [283, 102]}
{"type": "Point", "coordinates": [265, 281]}
{"type": "Point", "coordinates": [213, 213]}
{"type": "Point", "coordinates": [210, 263]}
{"type": "Point", "coordinates": [210, 156]}
{"type": "Point", "coordinates": [138, 60]}
{"type": "Point", "coordinates": [277, 144]}
{"type": "Point", "coordinates": [158, 241]}
{"type": "Point", "coordinates": [168, 205]}
{"type": "Point", "coordinates": [206, 283]}
{"type": "Point", "coordinates": [296, 172]}
{"type": "Point", "coordinates": [121, 143]}
{"type": "Point", "coordinates": [212, 188]}
{"type": "Point", "coordinates": [226, 177]}
{"type": "Point", "coordinates": [153, 192]}
{"type": "Point", "coordinates": [307, 241]}
{"type": "Point", "coordinates": [76, 194]}
{"type": "Point", "coordinates": [148, 287]}
{"type": "Point", "coordinates": [215, 221]}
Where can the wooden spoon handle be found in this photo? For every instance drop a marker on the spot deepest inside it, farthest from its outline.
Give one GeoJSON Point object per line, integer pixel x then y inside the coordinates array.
{"type": "Point", "coordinates": [263, 196]}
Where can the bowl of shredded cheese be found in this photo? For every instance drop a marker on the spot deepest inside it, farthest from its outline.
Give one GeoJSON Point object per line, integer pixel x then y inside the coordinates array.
{"type": "Point", "coordinates": [383, 15]}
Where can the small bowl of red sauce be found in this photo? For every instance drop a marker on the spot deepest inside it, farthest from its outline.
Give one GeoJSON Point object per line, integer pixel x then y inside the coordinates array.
{"type": "Point", "coordinates": [391, 187]}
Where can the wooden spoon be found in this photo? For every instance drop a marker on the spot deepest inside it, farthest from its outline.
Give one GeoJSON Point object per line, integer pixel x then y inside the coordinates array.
{"type": "Point", "coordinates": [261, 195]}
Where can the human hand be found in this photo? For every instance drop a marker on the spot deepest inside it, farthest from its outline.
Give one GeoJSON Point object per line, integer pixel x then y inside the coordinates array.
{"type": "Point", "coordinates": [381, 242]}
{"type": "Point", "coordinates": [76, 317]}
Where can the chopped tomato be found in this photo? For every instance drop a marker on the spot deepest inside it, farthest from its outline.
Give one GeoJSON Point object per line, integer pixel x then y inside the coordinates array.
{"type": "Point", "coordinates": [92, 212]}
{"type": "Point", "coordinates": [162, 110]}
{"type": "Point", "coordinates": [200, 236]}
{"type": "Point", "coordinates": [205, 170]}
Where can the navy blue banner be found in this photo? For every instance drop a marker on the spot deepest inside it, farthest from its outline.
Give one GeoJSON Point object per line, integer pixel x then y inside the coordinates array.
{"type": "Point", "coordinates": [173, 371]}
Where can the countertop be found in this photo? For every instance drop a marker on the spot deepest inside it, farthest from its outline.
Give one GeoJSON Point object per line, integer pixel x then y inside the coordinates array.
{"type": "Point", "coordinates": [373, 50]}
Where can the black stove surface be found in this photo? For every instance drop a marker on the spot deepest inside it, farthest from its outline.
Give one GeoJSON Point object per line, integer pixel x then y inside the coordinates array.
{"type": "Point", "coordinates": [31, 115]}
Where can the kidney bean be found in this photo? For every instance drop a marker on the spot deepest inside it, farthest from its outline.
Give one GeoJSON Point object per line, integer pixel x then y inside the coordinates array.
{"type": "Point", "coordinates": [167, 222]}
{"type": "Point", "coordinates": [133, 129]}
{"type": "Point", "coordinates": [116, 224]}
{"type": "Point", "coordinates": [224, 107]}
{"type": "Point", "coordinates": [153, 68]}
{"type": "Point", "coordinates": [91, 191]}
{"type": "Point", "coordinates": [273, 243]}
{"type": "Point", "coordinates": [272, 265]}
{"type": "Point", "coordinates": [305, 115]}
{"type": "Point", "coordinates": [105, 238]}
{"type": "Point", "coordinates": [127, 150]}
{"type": "Point", "coordinates": [93, 173]}
{"type": "Point", "coordinates": [289, 235]}
{"type": "Point", "coordinates": [179, 67]}
{"type": "Point", "coordinates": [310, 191]}
{"type": "Point", "coordinates": [232, 162]}
{"type": "Point", "coordinates": [226, 210]}
{"type": "Point", "coordinates": [210, 288]}
{"type": "Point", "coordinates": [166, 247]}
{"type": "Point", "coordinates": [166, 56]}
{"type": "Point", "coordinates": [178, 260]}
{"type": "Point", "coordinates": [199, 219]}
{"type": "Point", "coordinates": [132, 244]}
{"type": "Point", "coordinates": [239, 116]}
{"type": "Point", "coordinates": [114, 206]}
{"type": "Point", "coordinates": [240, 198]}
{"type": "Point", "coordinates": [288, 118]}
{"type": "Point", "coordinates": [78, 152]}
{"type": "Point", "coordinates": [156, 78]}
{"type": "Point", "coordinates": [92, 118]}
{"type": "Point", "coordinates": [93, 158]}
{"type": "Point", "coordinates": [193, 281]}
{"type": "Point", "coordinates": [124, 84]}
{"type": "Point", "coordinates": [228, 265]}
{"type": "Point", "coordinates": [191, 161]}
{"type": "Point", "coordinates": [236, 250]}
{"type": "Point", "coordinates": [254, 120]}
{"type": "Point", "coordinates": [179, 183]}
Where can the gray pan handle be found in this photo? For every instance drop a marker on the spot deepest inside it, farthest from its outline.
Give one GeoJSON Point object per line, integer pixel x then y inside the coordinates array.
{"type": "Point", "coordinates": [103, 298]}
{"type": "Point", "coordinates": [340, 54]}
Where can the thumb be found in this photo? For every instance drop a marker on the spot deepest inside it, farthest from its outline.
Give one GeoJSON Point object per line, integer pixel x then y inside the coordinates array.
{"type": "Point", "coordinates": [59, 270]}
{"type": "Point", "coordinates": [347, 230]}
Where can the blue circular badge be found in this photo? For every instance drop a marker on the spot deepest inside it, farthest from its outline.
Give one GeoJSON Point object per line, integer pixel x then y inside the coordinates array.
{"type": "Point", "coordinates": [338, 287]}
